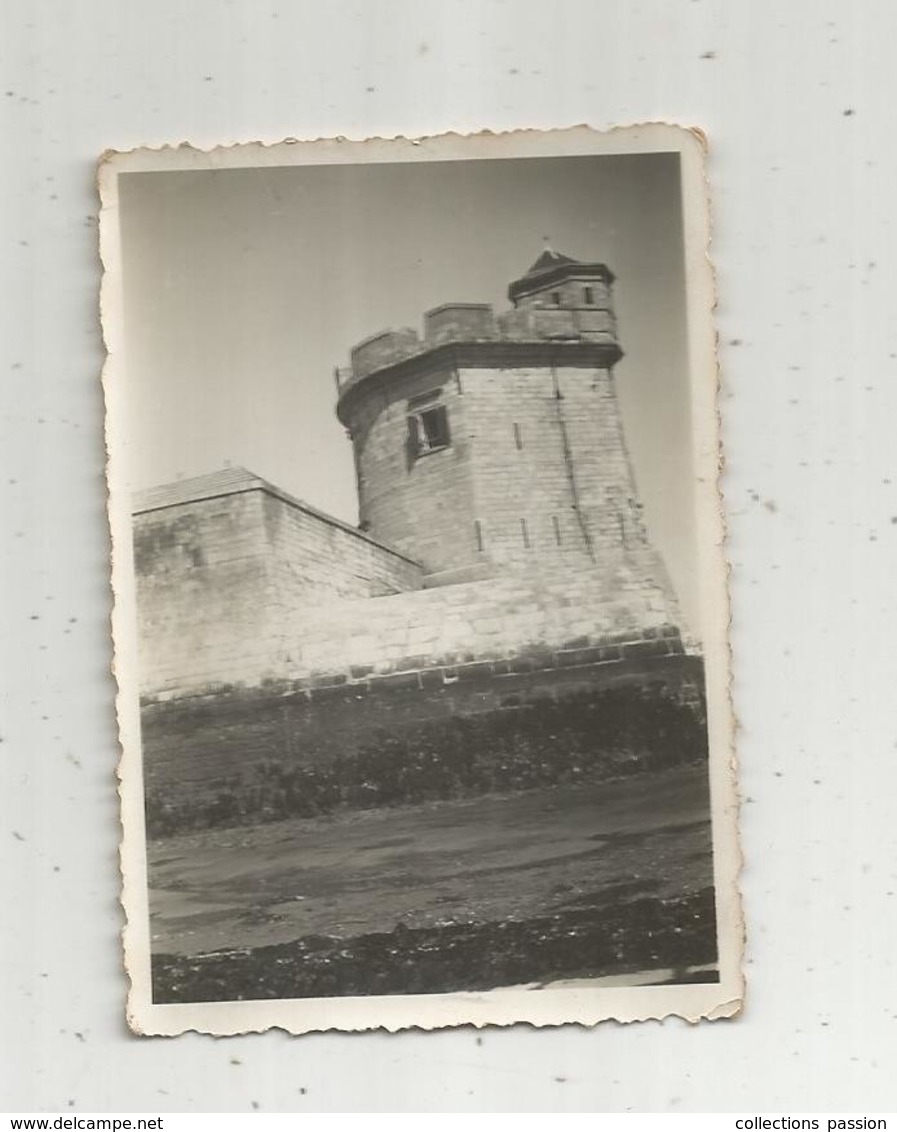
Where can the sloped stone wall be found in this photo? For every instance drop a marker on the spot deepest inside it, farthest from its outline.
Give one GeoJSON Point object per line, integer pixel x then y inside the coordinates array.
{"type": "Point", "coordinates": [249, 587]}
{"type": "Point", "coordinates": [497, 619]}
{"type": "Point", "coordinates": [219, 576]}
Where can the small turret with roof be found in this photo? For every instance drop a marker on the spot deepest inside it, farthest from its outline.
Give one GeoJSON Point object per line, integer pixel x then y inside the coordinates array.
{"type": "Point", "coordinates": [557, 280]}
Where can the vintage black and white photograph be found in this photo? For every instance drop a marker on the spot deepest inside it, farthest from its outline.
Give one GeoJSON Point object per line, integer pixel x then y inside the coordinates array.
{"type": "Point", "coordinates": [420, 601]}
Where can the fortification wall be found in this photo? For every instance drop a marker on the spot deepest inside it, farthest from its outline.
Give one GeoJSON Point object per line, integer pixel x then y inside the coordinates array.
{"type": "Point", "coordinates": [205, 593]}
{"type": "Point", "coordinates": [218, 575]}
{"type": "Point", "coordinates": [575, 616]}
{"type": "Point", "coordinates": [313, 559]}
{"type": "Point", "coordinates": [496, 620]}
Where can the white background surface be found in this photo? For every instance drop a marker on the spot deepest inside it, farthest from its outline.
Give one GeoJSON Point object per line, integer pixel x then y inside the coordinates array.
{"type": "Point", "coordinates": [797, 99]}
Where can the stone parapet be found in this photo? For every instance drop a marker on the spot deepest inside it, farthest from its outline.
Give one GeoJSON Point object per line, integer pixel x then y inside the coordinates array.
{"type": "Point", "coordinates": [461, 324]}
{"type": "Point", "coordinates": [224, 561]}
{"type": "Point", "coordinates": [384, 349]}
{"type": "Point", "coordinates": [506, 625]}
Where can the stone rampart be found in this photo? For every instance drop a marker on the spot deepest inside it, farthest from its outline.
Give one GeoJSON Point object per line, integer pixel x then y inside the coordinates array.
{"type": "Point", "coordinates": [221, 561]}
{"type": "Point", "coordinates": [575, 617]}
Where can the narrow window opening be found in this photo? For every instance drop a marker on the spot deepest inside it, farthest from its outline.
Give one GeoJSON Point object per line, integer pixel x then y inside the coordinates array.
{"type": "Point", "coordinates": [588, 296]}
{"type": "Point", "coordinates": [556, 298]}
{"type": "Point", "coordinates": [428, 430]}
{"type": "Point", "coordinates": [557, 529]}
{"type": "Point", "coordinates": [518, 439]}
{"type": "Point", "coordinates": [524, 531]}
{"type": "Point", "coordinates": [478, 531]}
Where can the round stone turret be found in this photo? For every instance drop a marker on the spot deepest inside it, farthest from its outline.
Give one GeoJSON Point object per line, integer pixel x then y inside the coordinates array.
{"type": "Point", "coordinates": [495, 442]}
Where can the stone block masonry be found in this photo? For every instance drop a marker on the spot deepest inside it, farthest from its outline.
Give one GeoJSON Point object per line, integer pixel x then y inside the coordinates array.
{"type": "Point", "coordinates": [261, 612]}
{"type": "Point", "coordinates": [551, 475]}
{"type": "Point", "coordinates": [498, 619]}
{"type": "Point", "coordinates": [223, 559]}
{"type": "Point", "coordinates": [421, 504]}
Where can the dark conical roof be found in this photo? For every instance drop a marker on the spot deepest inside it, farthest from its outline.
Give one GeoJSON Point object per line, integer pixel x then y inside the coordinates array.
{"type": "Point", "coordinates": [552, 265]}
{"type": "Point", "coordinates": [549, 259]}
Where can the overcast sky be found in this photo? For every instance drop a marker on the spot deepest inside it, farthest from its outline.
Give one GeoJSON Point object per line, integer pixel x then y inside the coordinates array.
{"type": "Point", "coordinates": [244, 288]}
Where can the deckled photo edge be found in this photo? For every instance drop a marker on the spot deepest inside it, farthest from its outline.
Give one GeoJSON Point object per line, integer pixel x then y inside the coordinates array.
{"type": "Point", "coordinates": [132, 859]}
{"type": "Point", "coordinates": [427, 1011]}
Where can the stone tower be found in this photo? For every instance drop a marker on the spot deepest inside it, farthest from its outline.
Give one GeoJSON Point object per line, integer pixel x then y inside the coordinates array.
{"type": "Point", "coordinates": [495, 443]}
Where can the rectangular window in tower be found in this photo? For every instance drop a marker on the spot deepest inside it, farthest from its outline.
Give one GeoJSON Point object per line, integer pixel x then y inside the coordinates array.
{"type": "Point", "coordinates": [428, 430]}
{"type": "Point", "coordinates": [478, 531]}
{"type": "Point", "coordinates": [588, 296]}
{"type": "Point", "coordinates": [556, 298]}
{"type": "Point", "coordinates": [557, 529]}
{"type": "Point", "coordinates": [524, 531]}
{"type": "Point", "coordinates": [518, 439]}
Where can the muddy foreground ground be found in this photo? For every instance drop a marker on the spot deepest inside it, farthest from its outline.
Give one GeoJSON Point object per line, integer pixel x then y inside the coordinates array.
{"type": "Point", "coordinates": [575, 881]}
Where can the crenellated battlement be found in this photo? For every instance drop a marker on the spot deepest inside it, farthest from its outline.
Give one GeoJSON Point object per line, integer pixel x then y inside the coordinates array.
{"type": "Point", "coordinates": [476, 323]}
{"type": "Point", "coordinates": [559, 301]}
